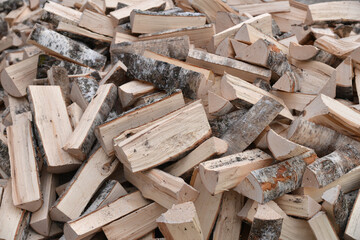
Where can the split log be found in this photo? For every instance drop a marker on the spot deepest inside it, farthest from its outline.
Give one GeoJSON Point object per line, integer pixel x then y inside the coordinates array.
{"type": "Point", "coordinates": [207, 205]}
{"type": "Point", "coordinates": [83, 90]}
{"type": "Point", "coordinates": [12, 219]}
{"type": "Point", "coordinates": [336, 208]}
{"type": "Point", "coordinates": [26, 192]}
{"type": "Point", "coordinates": [330, 113]}
{"type": "Point", "coordinates": [65, 47]}
{"type": "Point", "coordinates": [344, 11]}
{"type": "Point", "coordinates": [40, 220]}
{"type": "Point", "coordinates": [75, 112]}
{"type": "Point", "coordinates": [241, 135]}
{"type": "Point", "coordinates": [283, 149]}
{"type": "Point", "coordinates": [179, 222]}
{"type": "Point", "coordinates": [219, 65]}
{"type": "Point", "coordinates": [15, 14]}
{"type": "Point", "coordinates": [191, 118]}
{"type": "Point", "coordinates": [285, 20]}
{"type": "Point", "coordinates": [131, 91]}
{"type": "Point", "coordinates": [211, 147]}
{"type": "Point", "coordinates": [225, 49]}
{"type": "Point", "coordinates": [337, 47]}
{"type": "Point", "coordinates": [122, 15]}
{"type": "Point", "coordinates": [147, 99]}
{"type": "Point", "coordinates": [115, 75]}
{"type": "Point", "coordinates": [120, 37]}
{"type": "Point", "coordinates": [322, 228]}
{"type": "Point", "coordinates": [352, 230]}
{"type": "Point", "coordinates": [236, 88]}
{"type": "Point", "coordinates": [135, 118]}
{"type": "Point", "coordinates": [53, 132]}
{"type": "Point", "coordinates": [321, 139]}
{"type": "Point", "coordinates": [173, 47]}
{"type": "Point", "coordinates": [162, 187]}
{"type": "Point", "coordinates": [221, 124]}
{"type": "Point", "coordinates": [150, 22]}
{"type": "Point", "coordinates": [225, 20]}
{"type": "Point", "coordinates": [135, 224]}
{"type": "Point", "coordinates": [302, 52]}
{"type": "Point", "coordinates": [97, 23]}
{"type": "Point", "coordinates": [261, 8]}
{"type": "Point", "coordinates": [199, 36]}
{"type": "Point", "coordinates": [331, 167]}
{"type": "Point", "coordinates": [248, 211]}
{"type": "Point", "coordinates": [93, 222]}
{"type": "Point", "coordinates": [210, 8]}
{"type": "Point", "coordinates": [298, 206]}
{"type": "Point", "coordinates": [83, 186]}
{"type": "Point", "coordinates": [344, 79]}
{"type": "Point", "coordinates": [59, 76]}
{"type": "Point", "coordinates": [79, 143]}
{"type": "Point", "coordinates": [267, 224]}
{"type": "Point", "coordinates": [57, 12]}
{"type": "Point", "coordinates": [269, 183]}
{"type": "Point", "coordinates": [16, 78]}
{"type": "Point", "coordinates": [218, 105]}
{"type": "Point", "coordinates": [226, 173]}
{"type": "Point", "coordinates": [228, 225]}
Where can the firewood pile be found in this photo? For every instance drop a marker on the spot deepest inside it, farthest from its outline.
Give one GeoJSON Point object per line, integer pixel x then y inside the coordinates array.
{"type": "Point", "coordinates": [184, 119]}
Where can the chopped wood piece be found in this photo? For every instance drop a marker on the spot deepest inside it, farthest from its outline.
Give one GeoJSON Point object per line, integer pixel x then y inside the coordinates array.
{"type": "Point", "coordinates": [218, 105]}
{"type": "Point", "coordinates": [75, 112]}
{"type": "Point", "coordinates": [225, 20]}
{"type": "Point", "coordinates": [269, 183]}
{"type": "Point", "coordinates": [97, 23]}
{"type": "Point", "coordinates": [267, 224]}
{"type": "Point", "coordinates": [226, 173]}
{"type": "Point", "coordinates": [12, 219]}
{"type": "Point", "coordinates": [285, 20]}
{"type": "Point", "coordinates": [179, 222]}
{"type": "Point", "coordinates": [344, 79]}
{"type": "Point", "coordinates": [115, 75]}
{"type": "Point", "coordinates": [15, 14]}
{"type": "Point", "coordinates": [298, 206]}
{"type": "Point", "coordinates": [337, 47]}
{"type": "Point", "coordinates": [261, 8]}
{"type": "Point", "coordinates": [207, 205]}
{"type": "Point", "coordinates": [62, 13]}
{"type": "Point", "coordinates": [331, 167]}
{"type": "Point", "coordinates": [331, 113]}
{"type": "Point", "coordinates": [162, 187]}
{"type": "Point", "coordinates": [210, 8]}
{"type": "Point", "coordinates": [16, 78]}
{"type": "Point", "coordinates": [58, 76]}
{"type": "Point", "coordinates": [336, 208]}
{"type": "Point", "coordinates": [248, 211]}
{"type": "Point", "coordinates": [40, 220]}
{"type": "Point", "coordinates": [83, 90]}
{"type": "Point", "coordinates": [352, 230]}
{"type": "Point", "coordinates": [344, 11]}
{"type": "Point", "coordinates": [79, 143]}
{"type": "Point", "coordinates": [322, 228]}
{"type": "Point", "coordinates": [93, 222]}
{"type": "Point", "coordinates": [147, 99]}
{"type": "Point", "coordinates": [150, 22]}
{"type": "Point", "coordinates": [282, 148]}
{"type": "Point", "coordinates": [53, 127]}
{"type": "Point", "coordinates": [131, 91]}
{"type": "Point", "coordinates": [65, 47]}
{"type": "Point", "coordinates": [322, 139]}
{"type": "Point", "coordinates": [199, 36]}
{"type": "Point", "coordinates": [163, 75]}
{"type": "Point", "coordinates": [173, 47]}
{"type": "Point", "coordinates": [191, 118]}
{"type": "Point", "coordinates": [219, 65]}
{"type": "Point", "coordinates": [122, 15]}
{"type": "Point", "coordinates": [135, 118]}
{"type": "Point", "coordinates": [302, 52]}
{"type": "Point", "coordinates": [135, 224]}
{"type": "Point", "coordinates": [225, 49]}
{"type": "Point", "coordinates": [83, 186]}
{"type": "Point", "coordinates": [24, 169]}
{"type": "Point", "coordinates": [66, 27]}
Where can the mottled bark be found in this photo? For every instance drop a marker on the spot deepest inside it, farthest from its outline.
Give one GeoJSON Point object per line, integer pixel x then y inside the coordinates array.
{"type": "Point", "coordinates": [163, 75]}
{"type": "Point", "coordinates": [174, 47]}
{"type": "Point", "coordinates": [221, 124]}
{"type": "Point", "coordinates": [264, 85]}
{"type": "Point", "coordinates": [4, 159]}
{"type": "Point", "coordinates": [327, 169]}
{"type": "Point", "coordinates": [245, 130]}
{"type": "Point", "coordinates": [328, 58]}
{"type": "Point", "coordinates": [58, 76]}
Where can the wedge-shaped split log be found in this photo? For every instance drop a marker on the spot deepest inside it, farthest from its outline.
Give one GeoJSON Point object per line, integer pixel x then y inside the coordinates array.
{"type": "Point", "coordinates": [189, 127]}
{"type": "Point", "coordinates": [352, 230]}
{"type": "Point", "coordinates": [83, 186]}
{"type": "Point", "coordinates": [344, 79]}
{"type": "Point", "coordinates": [83, 90]}
{"type": "Point", "coordinates": [137, 117]}
{"type": "Point", "coordinates": [64, 47]}
{"type": "Point", "coordinates": [226, 173]}
{"type": "Point", "coordinates": [211, 147]}
{"type": "Point", "coordinates": [269, 183]}
{"type": "Point", "coordinates": [136, 224]}
{"type": "Point", "coordinates": [162, 187]}
{"type": "Point", "coordinates": [267, 224]}
{"type": "Point", "coordinates": [327, 169]}
{"type": "Point", "coordinates": [53, 127]}
{"type": "Point", "coordinates": [131, 91]}
{"type": "Point", "coordinates": [302, 52]}
{"type": "Point", "coordinates": [180, 222]}
{"type": "Point", "coordinates": [322, 227]}
{"type": "Point", "coordinates": [81, 140]}
{"type": "Point", "coordinates": [93, 222]}
{"type": "Point", "coordinates": [298, 206]}
{"type": "Point", "coordinates": [26, 193]}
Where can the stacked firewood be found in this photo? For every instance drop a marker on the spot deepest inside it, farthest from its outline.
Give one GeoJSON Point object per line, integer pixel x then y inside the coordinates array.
{"type": "Point", "coordinates": [192, 119]}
